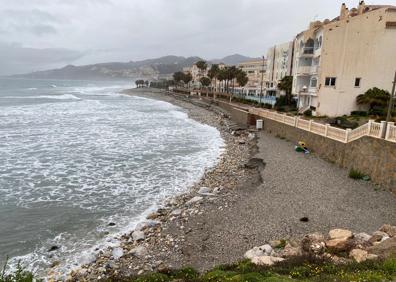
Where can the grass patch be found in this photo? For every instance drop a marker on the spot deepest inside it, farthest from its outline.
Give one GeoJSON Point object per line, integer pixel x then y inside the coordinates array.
{"type": "Point", "coordinates": [295, 269]}
{"type": "Point", "coordinates": [357, 175]}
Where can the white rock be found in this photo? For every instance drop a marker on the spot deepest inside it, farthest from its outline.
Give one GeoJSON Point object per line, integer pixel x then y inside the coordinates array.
{"type": "Point", "coordinates": [204, 190]}
{"type": "Point", "coordinates": [176, 212]}
{"type": "Point", "coordinates": [117, 253]}
{"type": "Point", "coordinates": [251, 136]}
{"type": "Point", "coordinates": [138, 235]}
{"type": "Point", "coordinates": [194, 200]}
{"type": "Point", "coordinates": [259, 251]}
{"type": "Point", "coordinates": [266, 260]}
{"type": "Point", "coordinates": [139, 251]}
{"type": "Point", "coordinates": [216, 190]}
{"type": "Point", "coordinates": [385, 238]}
{"type": "Point", "coordinates": [362, 237]}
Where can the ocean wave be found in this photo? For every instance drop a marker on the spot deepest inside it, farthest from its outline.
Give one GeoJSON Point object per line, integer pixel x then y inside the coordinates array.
{"type": "Point", "coordinates": [56, 97]}
{"type": "Point", "coordinates": [101, 161]}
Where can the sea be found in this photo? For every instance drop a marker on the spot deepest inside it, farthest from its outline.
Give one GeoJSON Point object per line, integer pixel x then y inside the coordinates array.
{"type": "Point", "coordinates": [81, 164]}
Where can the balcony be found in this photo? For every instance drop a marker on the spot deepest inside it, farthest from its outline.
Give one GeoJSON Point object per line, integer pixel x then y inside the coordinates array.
{"type": "Point", "coordinates": [307, 70]}
{"type": "Point", "coordinates": [307, 52]}
{"type": "Point", "coordinates": [315, 69]}
{"type": "Point", "coordinates": [303, 70]}
{"type": "Point", "coordinates": [310, 91]}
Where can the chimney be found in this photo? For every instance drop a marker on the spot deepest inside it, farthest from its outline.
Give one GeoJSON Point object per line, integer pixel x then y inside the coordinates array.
{"type": "Point", "coordinates": [344, 12]}
{"type": "Point", "coordinates": [361, 8]}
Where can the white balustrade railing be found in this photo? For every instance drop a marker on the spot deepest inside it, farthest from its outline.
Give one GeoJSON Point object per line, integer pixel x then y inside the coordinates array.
{"type": "Point", "coordinates": [373, 129]}
{"type": "Point", "coordinates": [391, 132]}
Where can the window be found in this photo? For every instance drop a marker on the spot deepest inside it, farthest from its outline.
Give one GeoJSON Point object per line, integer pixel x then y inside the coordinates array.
{"type": "Point", "coordinates": [314, 82]}
{"type": "Point", "coordinates": [358, 80]}
{"type": "Point", "coordinates": [330, 81]}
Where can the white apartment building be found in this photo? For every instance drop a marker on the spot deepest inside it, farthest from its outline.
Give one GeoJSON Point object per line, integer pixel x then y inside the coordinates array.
{"type": "Point", "coordinates": [279, 65]}
{"type": "Point", "coordinates": [335, 61]}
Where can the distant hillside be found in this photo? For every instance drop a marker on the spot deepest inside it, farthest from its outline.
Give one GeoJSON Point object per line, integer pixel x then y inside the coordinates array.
{"type": "Point", "coordinates": [233, 59]}
{"type": "Point", "coordinates": [162, 67]}
{"type": "Point", "coordinates": [157, 68]}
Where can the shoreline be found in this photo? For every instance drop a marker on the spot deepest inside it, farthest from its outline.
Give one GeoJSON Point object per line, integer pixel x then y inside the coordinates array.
{"type": "Point", "coordinates": [150, 246]}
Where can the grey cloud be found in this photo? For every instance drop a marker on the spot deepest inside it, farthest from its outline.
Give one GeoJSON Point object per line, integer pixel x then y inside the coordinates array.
{"type": "Point", "coordinates": [136, 29]}
{"type": "Point", "coordinates": [17, 59]}
{"type": "Point", "coordinates": [32, 21]}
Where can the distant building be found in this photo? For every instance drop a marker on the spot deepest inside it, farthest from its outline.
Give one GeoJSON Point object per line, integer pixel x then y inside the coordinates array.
{"type": "Point", "coordinates": [196, 74]}
{"type": "Point", "coordinates": [256, 73]}
{"type": "Point", "coordinates": [335, 61]}
{"type": "Point", "coordinates": [279, 65]}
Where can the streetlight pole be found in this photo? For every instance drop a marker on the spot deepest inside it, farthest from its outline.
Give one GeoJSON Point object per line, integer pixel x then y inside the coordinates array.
{"type": "Point", "coordinates": [262, 81]}
{"type": "Point", "coordinates": [392, 96]}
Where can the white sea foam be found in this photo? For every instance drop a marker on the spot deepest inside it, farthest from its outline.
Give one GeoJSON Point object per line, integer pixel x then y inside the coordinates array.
{"type": "Point", "coordinates": [97, 161]}
{"type": "Point", "coordinates": [56, 97]}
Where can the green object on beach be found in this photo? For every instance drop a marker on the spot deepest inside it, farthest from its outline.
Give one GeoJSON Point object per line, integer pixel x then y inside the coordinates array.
{"type": "Point", "coordinates": [299, 149]}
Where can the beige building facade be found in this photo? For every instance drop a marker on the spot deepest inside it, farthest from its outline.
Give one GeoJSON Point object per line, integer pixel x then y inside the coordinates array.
{"type": "Point", "coordinates": [279, 65]}
{"type": "Point", "coordinates": [335, 61]}
{"type": "Point", "coordinates": [256, 73]}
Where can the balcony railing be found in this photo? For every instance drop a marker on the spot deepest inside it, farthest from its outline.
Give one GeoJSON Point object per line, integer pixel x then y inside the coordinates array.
{"type": "Point", "coordinates": [310, 91]}
{"type": "Point", "coordinates": [308, 50]}
{"type": "Point", "coordinates": [307, 70]}
{"type": "Point", "coordinates": [304, 70]}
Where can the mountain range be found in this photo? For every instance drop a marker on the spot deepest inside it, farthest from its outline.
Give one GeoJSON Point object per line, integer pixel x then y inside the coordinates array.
{"type": "Point", "coordinates": [157, 68]}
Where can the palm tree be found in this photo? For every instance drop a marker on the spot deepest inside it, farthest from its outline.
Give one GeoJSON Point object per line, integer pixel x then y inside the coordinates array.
{"type": "Point", "coordinates": [221, 76]}
{"type": "Point", "coordinates": [213, 73]}
{"type": "Point", "coordinates": [187, 77]}
{"type": "Point", "coordinates": [242, 78]}
{"type": "Point", "coordinates": [178, 77]}
{"type": "Point", "coordinates": [202, 65]}
{"type": "Point", "coordinates": [374, 97]}
{"type": "Point", "coordinates": [286, 84]}
{"type": "Point", "coordinates": [205, 82]}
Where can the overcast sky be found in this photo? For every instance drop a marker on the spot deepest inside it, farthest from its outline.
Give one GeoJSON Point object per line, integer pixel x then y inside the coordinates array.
{"type": "Point", "coordinates": [41, 34]}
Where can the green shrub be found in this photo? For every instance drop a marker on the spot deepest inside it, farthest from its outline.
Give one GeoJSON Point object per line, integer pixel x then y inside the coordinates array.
{"type": "Point", "coordinates": [377, 112]}
{"type": "Point", "coordinates": [20, 275]}
{"type": "Point", "coordinates": [308, 113]}
{"type": "Point", "coordinates": [153, 277]}
{"type": "Point", "coordinates": [185, 274]}
{"type": "Point", "coordinates": [355, 174]}
{"type": "Point", "coordinates": [359, 113]}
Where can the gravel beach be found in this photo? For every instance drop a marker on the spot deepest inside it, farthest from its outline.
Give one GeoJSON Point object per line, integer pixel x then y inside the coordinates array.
{"type": "Point", "coordinates": [241, 204]}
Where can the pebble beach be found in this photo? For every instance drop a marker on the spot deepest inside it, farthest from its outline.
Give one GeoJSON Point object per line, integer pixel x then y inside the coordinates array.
{"type": "Point", "coordinates": [244, 201]}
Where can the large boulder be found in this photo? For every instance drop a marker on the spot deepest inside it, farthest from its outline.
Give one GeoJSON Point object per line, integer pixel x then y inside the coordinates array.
{"type": "Point", "coordinates": [266, 260]}
{"type": "Point", "coordinates": [384, 249]}
{"type": "Point", "coordinates": [340, 245]}
{"type": "Point", "coordinates": [358, 255]}
{"type": "Point", "coordinates": [290, 251]}
{"type": "Point", "coordinates": [378, 236]}
{"type": "Point", "coordinates": [340, 234]}
{"type": "Point", "coordinates": [340, 240]}
{"type": "Point", "coordinates": [389, 229]}
{"type": "Point", "coordinates": [264, 250]}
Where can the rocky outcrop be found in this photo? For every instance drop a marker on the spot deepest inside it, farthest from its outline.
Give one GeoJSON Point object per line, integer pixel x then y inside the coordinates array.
{"type": "Point", "coordinates": [339, 246]}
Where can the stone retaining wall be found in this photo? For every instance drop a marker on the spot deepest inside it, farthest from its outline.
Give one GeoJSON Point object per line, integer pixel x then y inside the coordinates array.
{"type": "Point", "coordinates": [238, 115]}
